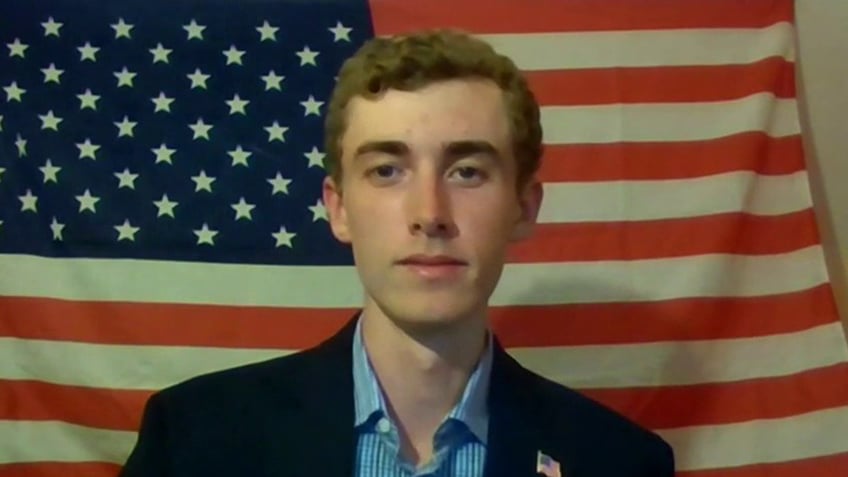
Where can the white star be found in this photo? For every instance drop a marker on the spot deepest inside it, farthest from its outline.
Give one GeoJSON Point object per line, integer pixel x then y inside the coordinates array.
{"type": "Point", "coordinates": [51, 73]}
{"type": "Point", "coordinates": [13, 92]}
{"type": "Point", "coordinates": [126, 231]}
{"type": "Point", "coordinates": [316, 157]}
{"type": "Point", "coordinates": [125, 78]}
{"type": "Point", "coordinates": [56, 228]}
{"type": "Point", "coordinates": [200, 129]}
{"type": "Point", "coordinates": [267, 32]}
{"type": "Point", "coordinates": [88, 100]}
{"type": "Point", "coordinates": [162, 102]}
{"type": "Point", "coordinates": [126, 179]}
{"type": "Point", "coordinates": [160, 53]}
{"type": "Point", "coordinates": [237, 104]}
{"type": "Point", "coordinates": [165, 206]}
{"type": "Point", "coordinates": [283, 237]}
{"type": "Point", "coordinates": [340, 32]}
{"type": "Point", "coordinates": [87, 52]}
{"type": "Point", "coordinates": [2, 170]}
{"type": "Point", "coordinates": [311, 106]}
{"type": "Point", "coordinates": [125, 127]}
{"type": "Point", "coordinates": [21, 144]}
{"type": "Point", "coordinates": [279, 184]}
{"type": "Point", "coordinates": [49, 121]}
{"type": "Point", "coordinates": [318, 211]}
{"type": "Point", "coordinates": [243, 209]}
{"type": "Point", "coordinates": [87, 202]}
{"type": "Point", "coordinates": [307, 56]}
{"type": "Point", "coordinates": [198, 79]}
{"type": "Point", "coordinates": [272, 81]}
{"type": "Point", "coordinates": [51, 27]}
{"type": "Point", "coordinates": [205, 235]}
{"type": "Point", "coordinates": [194, 30]}
{"type": "Point", "coordinates": [50, 171]}
{"type": "Point", "coordinates": [239, 156]}
{"type": "Point", "coordinates": [87, 149]}
{"type": "Point", "coordinates": [275, 132]}
{"type": "Point", "coordinates": [202, 182]}
{"type": "Point", "coordinates": [233, 55]}
{"type": "Point", "coordinates": [28, 202]}
{"type": "Point", "coordinates": [16, 48]}
{"type": "Point", "coordinates": [163, 154]}
{"type": "Point", "coordinates": [122, 29]}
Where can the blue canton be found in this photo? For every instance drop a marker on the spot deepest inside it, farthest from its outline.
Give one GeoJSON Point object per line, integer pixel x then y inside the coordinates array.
{"type": "Point", "coordinates": [459, 443]}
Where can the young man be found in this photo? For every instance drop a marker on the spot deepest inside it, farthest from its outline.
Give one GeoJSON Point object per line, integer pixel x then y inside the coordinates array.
{"type": "Point", "coordinates": [433, 143]}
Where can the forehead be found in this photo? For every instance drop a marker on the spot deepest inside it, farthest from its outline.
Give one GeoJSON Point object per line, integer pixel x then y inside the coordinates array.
{"type": "Point", "coordinates": [452, 110]}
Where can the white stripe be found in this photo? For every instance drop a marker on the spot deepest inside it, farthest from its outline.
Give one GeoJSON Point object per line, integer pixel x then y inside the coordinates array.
{"type": "Point", "coordinates": [640, 48]}
{"type": "Point", "coordinates": [610, 366]}
{"type": "Point", "coordinates": [687, 362]}
{"type": "Point", "coordinates": [615, 123]}
{"type": "Point", "coordinates": [803, 436]}
{"type": "Point", "coordinates": [619, 201]}
{"type": "Point", "coordinates": [339, 286]}
{"type": "Point", "coordinates": [117, 366]}
{"type": "Point", "coordinates": [50, 441]}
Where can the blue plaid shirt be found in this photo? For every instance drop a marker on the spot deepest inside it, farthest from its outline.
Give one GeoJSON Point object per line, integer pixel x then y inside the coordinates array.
{"type": "Point", "coordinates": [459, 445]}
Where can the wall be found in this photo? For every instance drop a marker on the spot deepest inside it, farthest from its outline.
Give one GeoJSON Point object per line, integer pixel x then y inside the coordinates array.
{"type": "Point", "coordinates": [823, 80]}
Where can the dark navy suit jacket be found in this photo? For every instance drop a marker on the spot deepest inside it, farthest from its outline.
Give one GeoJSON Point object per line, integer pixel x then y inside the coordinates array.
{"type": "Point", "coordinates": [293, 417]}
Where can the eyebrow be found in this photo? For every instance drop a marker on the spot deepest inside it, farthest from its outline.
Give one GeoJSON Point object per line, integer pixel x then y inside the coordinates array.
{"type": "Point", "coordinates": [453, 150]}
{"type": "Point", "coordinates": [395, 148]}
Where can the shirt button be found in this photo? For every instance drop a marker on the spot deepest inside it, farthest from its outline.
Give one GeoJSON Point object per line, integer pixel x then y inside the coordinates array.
{"type": "Point", "coordinates": [383, 425]}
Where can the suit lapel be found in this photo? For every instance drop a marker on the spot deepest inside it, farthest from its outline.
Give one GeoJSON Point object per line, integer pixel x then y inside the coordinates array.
{"type": "Point", "coordinates": [320, 438]}
{"type": "Point", "coordinates": [515, 432]}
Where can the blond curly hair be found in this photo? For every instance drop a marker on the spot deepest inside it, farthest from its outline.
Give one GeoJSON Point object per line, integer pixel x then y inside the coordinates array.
{"type": "Point", "coordinates": [412, 61]}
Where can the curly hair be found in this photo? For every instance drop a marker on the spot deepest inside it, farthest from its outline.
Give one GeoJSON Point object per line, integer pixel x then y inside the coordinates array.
{"type": "Point", "coordinates": [412, 61]}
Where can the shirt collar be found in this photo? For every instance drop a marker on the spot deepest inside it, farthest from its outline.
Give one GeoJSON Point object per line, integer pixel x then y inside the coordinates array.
{"type": "Point", "coordinates": [472, 409]}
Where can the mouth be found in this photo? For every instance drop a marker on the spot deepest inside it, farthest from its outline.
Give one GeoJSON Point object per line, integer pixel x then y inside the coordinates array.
{"type": "Point", "coordinates": [435, 272]}
{"type": "Point", "coordinates": [438, 267]}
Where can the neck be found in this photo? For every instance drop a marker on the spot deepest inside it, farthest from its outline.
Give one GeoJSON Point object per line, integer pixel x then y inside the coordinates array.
{"type": "Point", "coordinates": [423, 370]}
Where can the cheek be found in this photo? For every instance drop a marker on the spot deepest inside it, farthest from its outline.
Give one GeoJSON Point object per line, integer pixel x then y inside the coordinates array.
{"type": "Point", "coordinates": [369, 214]}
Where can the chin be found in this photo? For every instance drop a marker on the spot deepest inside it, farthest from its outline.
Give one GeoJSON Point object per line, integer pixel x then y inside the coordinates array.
{"type": "Point", "coordinates": [429, 313]}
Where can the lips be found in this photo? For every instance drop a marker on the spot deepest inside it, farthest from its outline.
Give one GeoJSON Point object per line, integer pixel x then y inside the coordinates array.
{"type": "Point", "coordinates": [434, 268]}
{"type": "Point", "coordinates": [432, 260]}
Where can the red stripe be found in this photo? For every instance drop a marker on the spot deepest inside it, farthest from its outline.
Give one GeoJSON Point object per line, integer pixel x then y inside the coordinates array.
{"type": "Point", "coordinates": [115, 409]}
{"type": "Point", "coordinates": [826, 466]}
{"type": "Point", "coordinates": [654, 408]}
{"type": "Point", "coordinates": [64, 469]}
{"type": "Point", "coordinates": [722, 233]}
{"type": "Point", "coordinates": [665, 84]}
{"type": "Point", "coordinates": [517, 326]}
{"type": "Point", "coordinates": [671, 320]}
{"type": "Point", "coordinates": [508, 16]}
{"type": "Point", "coordinates": [753, 151]}
{"type": "Point", "coordinates": [725, 403]}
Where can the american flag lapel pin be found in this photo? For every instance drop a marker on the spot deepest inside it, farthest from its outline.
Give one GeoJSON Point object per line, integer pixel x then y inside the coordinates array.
{"type": "Point", "coordinates": [547, 466]}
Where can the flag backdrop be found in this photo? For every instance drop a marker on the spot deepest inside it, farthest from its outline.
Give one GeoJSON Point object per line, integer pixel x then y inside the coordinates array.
{"type": "Point", "coordinates": [160, 169]}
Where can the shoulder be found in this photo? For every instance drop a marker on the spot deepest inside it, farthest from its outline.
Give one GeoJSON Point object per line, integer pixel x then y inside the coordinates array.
{"type": "Point", "coordinates": [601, 431]}
{"type": "Point", "coordinates": [245, 386]}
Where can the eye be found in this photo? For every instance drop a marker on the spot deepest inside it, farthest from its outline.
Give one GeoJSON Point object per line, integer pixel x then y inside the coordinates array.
{"type": "Point", "coordinates": [383, 171]}
{"type": "Point", "coordinates": [468, 173]}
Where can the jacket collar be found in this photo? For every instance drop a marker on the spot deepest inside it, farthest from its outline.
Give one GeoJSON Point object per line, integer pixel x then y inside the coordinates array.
{"type": "Point", "coordinates": [327, 413]}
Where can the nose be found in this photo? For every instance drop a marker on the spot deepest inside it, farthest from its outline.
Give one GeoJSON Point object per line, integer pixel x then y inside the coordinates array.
{"type": "Point", "coordinates": [429, 207]}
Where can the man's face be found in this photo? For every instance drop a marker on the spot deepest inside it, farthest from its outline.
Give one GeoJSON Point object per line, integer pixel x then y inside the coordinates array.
{"type": "Point", "coordinates": [428, 199]}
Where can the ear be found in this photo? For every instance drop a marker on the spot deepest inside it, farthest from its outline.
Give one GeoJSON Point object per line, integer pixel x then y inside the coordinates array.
{"type": "Point", "coordinates": [333, 202]}
{"type": "Point", "coordinates": [529, 203]}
